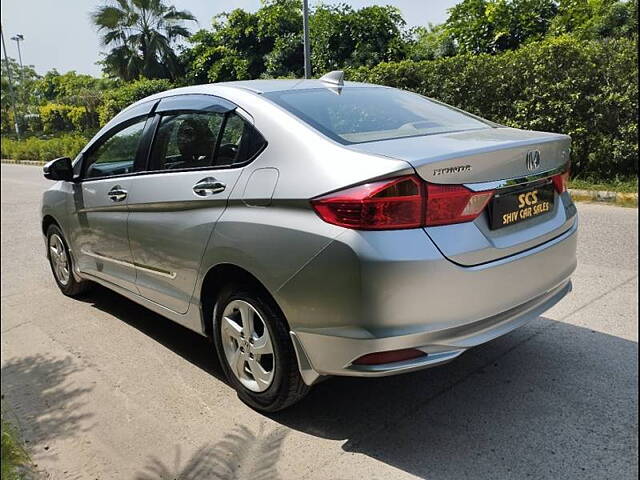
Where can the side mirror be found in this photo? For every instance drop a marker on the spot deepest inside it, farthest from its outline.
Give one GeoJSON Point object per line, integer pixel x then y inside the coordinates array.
{"type": "Point", "coordinates": [59, 169]}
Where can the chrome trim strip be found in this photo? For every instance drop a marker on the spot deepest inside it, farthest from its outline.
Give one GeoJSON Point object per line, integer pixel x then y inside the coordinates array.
{"type": "Point", "coordinates": [137, 266]}
{"type": "Point", "coordinates": [510, 182]}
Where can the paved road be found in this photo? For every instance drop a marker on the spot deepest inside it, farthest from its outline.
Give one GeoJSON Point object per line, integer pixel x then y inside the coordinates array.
{"type": "Point", "coordinates": [107, 390]}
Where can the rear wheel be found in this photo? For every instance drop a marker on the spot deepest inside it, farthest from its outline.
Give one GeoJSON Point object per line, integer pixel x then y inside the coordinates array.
{"type": "Point", "coordinates": [61, 264]}
{"type": "Point", "coordinates": [255, 350]}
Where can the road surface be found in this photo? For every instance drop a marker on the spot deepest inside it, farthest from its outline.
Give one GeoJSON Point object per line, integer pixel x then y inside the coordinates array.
{"type": "Point", "coordinates": [104, 389]}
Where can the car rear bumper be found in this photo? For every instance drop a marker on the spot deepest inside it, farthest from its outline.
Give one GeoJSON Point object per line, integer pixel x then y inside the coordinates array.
{"type": "Point", "coordinates": [334, 355]}
{"type": "Point", "coordinates": [383, 302]}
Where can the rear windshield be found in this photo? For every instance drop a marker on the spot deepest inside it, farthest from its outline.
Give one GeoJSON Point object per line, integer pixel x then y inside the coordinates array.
{"type": "Point", "coordinates": [367, 114]}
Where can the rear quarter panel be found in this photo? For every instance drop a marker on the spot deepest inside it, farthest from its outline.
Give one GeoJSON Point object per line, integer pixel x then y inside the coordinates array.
{"type": "Point", "coordinates": [274, 237]}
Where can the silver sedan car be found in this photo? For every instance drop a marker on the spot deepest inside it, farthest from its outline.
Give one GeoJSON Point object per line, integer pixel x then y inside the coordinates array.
{"type": "Point", "coordinates": [314, 228]}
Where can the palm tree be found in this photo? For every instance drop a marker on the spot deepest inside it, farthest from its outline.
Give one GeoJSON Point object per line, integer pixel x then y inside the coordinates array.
{"type": "Point", "coordinates": [141, 34]}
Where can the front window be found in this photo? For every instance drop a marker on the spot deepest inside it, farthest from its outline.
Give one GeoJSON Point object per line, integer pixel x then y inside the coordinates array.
{"type": "Point", "coordinates": [366, 114]}
{"type": "Point", "coordinates": [116, 155]}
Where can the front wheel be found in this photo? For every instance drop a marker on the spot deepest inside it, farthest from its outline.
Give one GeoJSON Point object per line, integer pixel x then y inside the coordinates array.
{"type": "Point", "coordinates": [61, 264]}
{"type": "Point", "coordinates": [255, 350]}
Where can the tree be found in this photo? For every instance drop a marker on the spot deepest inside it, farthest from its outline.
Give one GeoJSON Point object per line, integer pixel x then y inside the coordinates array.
{"type": "Point", "coordinates": [243, 45]}
{"type": "Point", "coordinates": [24, 95]}
{"type": "Point", "coordinates": [268, 43]}
{"type": "Point", "coordinates": [142, 34]}
{"type": "Point", "coordinates": [592, 19]}
{"type": "Point", "coordinates": [342, 37]}
{"type": "Point", "coordinates": [431, 42]}
{"type": "Point", "coordinates": [491, 26]}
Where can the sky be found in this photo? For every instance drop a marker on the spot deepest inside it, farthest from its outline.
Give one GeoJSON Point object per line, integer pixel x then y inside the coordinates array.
{"type": "Point", "coordinates": [58, 33]}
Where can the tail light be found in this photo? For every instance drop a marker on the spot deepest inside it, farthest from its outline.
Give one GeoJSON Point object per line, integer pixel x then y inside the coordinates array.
{"type": "Point", "coordinates": [403, 202]}
{"type": "Point", "coordinates": [447, 204]}
{"type": "Point", "coordinates": [561, 182]}
{"type": "Point", "coordinates": [385, 205]}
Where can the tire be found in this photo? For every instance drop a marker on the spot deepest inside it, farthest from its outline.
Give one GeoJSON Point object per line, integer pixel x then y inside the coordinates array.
{"type": "Point", "coordinates": [286, 386]}
{"type": "Point", "coordinates": [64, 278]}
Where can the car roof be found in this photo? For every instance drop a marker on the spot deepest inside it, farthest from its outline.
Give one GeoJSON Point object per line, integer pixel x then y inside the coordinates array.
{"type": "Point", "coordinates": [277, 85]}
{"type": "Point", "coordinates": [254, 86]}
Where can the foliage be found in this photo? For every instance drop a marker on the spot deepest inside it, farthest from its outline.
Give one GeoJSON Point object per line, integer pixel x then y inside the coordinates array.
{"type": "Point", "coordinates": [592, 19]}
{"type": "Point", "coordinates": [615, 185]}
{"type": "Point", "coordinates": [244, 45]}
{"type": "Point", "coordinates": [141, 34]}
{"type": "Point", "coordinates": [14, 456]}
{"type": "Point", "coordinates": [23, 80]}
{"type": "Point", "coordinates": [42, 149]}
{"type": "Point", "coordinates": [431, 42]}
{"type": "Point", "coordinates": [118, 98]}
{"type": "Point", "coordinates": [68, 88]}
{"type": "Point", "coordinates": [490, 26]}
{"type": "Point", "coordinates": [588, 90]}
{"type": "Point", "coordinates": [342, 37]}
{"type": "Point", "coordinates": [55, 117]}
{"type": "Point", "coordinates": [22, 93]}
{"type": "Point", "coordinates": [82, 119]}
{"type": "Point", "coordinates": [268, 43]}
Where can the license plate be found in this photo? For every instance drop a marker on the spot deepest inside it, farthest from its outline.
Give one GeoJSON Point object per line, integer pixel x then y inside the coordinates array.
{"type": "Point", "coordinates": [521, 205]}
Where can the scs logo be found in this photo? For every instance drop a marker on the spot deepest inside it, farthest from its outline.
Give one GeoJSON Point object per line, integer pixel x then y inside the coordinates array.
{"type": "Point", "coordinates": [528, 199]}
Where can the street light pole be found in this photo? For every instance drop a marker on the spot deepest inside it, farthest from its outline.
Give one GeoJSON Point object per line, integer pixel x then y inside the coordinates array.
{"type": "Point", "coordinates": [8, 67]}
{"type": "Point", "coordinates": [307, 48]}
{"type": "Point", "coordinates": [19, 38]}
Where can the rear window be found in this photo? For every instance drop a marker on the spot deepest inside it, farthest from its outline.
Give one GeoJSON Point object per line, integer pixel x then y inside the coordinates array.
{"type": "Point", "coordinates": [367, 114]}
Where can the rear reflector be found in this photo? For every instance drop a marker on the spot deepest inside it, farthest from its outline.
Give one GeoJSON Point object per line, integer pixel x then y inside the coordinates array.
{"type": "Point", "coordinates": [386, 205]}
{"type": "Point", "coordinates": [403, 202]}
{"type": "Point", "coordinates": [392, 356]}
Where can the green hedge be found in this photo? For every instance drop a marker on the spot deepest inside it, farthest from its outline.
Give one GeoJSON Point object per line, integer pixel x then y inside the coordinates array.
{"type": "Point", "coordinates": [118, 98]}
{"type": "Point", "coordinates": [588, 90]}
{"type": "Point", "coordinates": [34, 148]}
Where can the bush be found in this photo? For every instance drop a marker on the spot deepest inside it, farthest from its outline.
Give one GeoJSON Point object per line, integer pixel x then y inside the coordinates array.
{"type": "Point", "coordinates": [82, 119]}
{"type": "Point", "coordinates": [588, 90]}
{"type": "Point", "coordinates": [34, 148]}
{"type": "Point", "coordinates": [55, 117]}
{"type": "Point", "coordinates": [118, 98]}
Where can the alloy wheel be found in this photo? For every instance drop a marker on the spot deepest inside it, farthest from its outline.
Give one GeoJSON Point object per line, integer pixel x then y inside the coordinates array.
{"type": "Point", "coordinates": [59, 259]}
{"type": "Point", "coordinates": [247, 345]}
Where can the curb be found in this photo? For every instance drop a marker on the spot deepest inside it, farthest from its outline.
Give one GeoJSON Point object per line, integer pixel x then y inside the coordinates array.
{"type": "Point", "coordinates": [24, 162]}
{"type": "Point", "coordinates": [603, 196]}
{"type": "Point", "coordinates": [599, 196]}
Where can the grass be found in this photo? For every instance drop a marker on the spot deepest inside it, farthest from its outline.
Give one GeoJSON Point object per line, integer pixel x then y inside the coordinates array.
{"type": "Point", "coordinates": [621, 186]}
{"type": "Point", "coordinates": [15, 459]}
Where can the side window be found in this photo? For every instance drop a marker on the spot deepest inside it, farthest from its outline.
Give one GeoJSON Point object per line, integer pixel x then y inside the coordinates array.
{"type": "Point", "coordinates": [189, 140]}
{"type": "Point", "coordinates": [240, 141]}
{"type": "Point", "coordinates": [186, 140]}
{"type": "Point", "coordinates": [116, 155]}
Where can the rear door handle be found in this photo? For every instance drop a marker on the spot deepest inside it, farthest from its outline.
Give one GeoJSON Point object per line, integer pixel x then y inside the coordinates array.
{"type": "Point", "coordinates": [208, 186]}
{"type": "Point", "coordinates": [117, 194]}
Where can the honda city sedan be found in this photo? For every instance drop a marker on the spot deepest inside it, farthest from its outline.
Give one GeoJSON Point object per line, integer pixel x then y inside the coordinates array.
{"type": "Point", "coordinates": [314, 228]}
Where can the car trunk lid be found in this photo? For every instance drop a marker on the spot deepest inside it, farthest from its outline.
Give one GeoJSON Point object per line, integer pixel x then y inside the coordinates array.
{"type": "Point", "coordinates": [488, 159]}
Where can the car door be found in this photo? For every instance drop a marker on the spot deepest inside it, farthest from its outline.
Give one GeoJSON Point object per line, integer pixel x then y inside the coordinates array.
{"type": "Point", "coordinates": [100, 242]}
{"type": "Point", "coordinates": [195, 159]}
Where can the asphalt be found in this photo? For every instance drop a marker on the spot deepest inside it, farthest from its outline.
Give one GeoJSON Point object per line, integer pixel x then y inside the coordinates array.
{"type": "Point", "coordinates": [104, 389]}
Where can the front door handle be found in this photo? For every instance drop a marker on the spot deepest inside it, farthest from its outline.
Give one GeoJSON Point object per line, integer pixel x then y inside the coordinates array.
{"type": "Point", "coordinates": [208, 186]}
{"type": "Point", "coordinates": [117, 194]}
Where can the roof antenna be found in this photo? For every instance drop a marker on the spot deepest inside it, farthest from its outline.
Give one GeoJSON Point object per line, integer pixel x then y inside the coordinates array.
{"type": "Point", "coordinates": [335, 78]}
